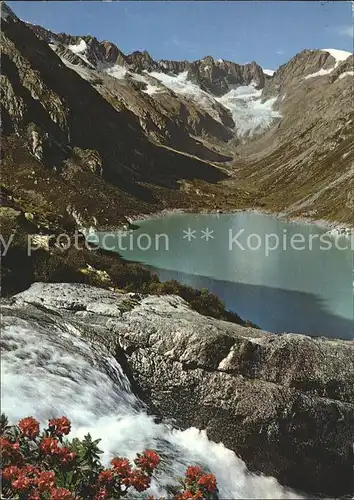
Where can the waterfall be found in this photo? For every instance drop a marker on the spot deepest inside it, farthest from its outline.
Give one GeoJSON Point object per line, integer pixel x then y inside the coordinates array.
{"type": "Point", "coordinates": [48, 370]}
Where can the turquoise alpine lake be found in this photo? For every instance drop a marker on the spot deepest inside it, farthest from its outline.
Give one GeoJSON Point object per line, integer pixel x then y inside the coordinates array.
{"type": "Point", "coordinates": [283, 276]}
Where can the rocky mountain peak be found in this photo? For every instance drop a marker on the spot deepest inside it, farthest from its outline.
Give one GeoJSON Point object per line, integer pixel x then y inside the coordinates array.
{"type": "Point", "coordinates": [305, 65]}
{"type": "Point", "coordinates": [141, 60]}
{"type": "Point", "coordinates": [216, 76]}
{"type": "Point", "coordinates": [220, 76]}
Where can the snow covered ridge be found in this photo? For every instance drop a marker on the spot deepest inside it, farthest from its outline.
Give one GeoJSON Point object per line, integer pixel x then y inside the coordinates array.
{"type": "Point", "coordinates": [338, 55]}
{"type": "Point", "coordinates": [79, 48]}
{"type": "Point", "coordinates": [249, 113]}
{"type": "Point", "coordinates": [269, 72]}
{"type": "Point", "coordinates": [346, 73]}
{"type": "Point", "coordinates": [117, 71]}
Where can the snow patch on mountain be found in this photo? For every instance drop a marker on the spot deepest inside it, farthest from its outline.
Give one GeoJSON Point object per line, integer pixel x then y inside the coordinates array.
{"type": "Point", "coordinates": [338, 55]}
{"type": "Point", "coordinates": [321, 72]}
{"type": "Point", "coordinates": [269, 72]}
{"type": "Point", "coordinates": [85, 73]}
{"type": "Point", "coordinates": [347, 73]}
{"type": "Point", "coordinates": [249, 113]}
{"type": "Point", "coordinates": [182, 86]}
{"type": "Point", "coordinates": [117, 71]}
{"type": "Point", "coordinates": [78, 48]}
{"type": "Point", "coordinates": [150, 89]}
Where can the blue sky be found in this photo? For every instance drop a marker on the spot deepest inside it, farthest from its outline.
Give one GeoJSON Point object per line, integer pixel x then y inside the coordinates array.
{"type": "Point", "coordinates": [269, 32]}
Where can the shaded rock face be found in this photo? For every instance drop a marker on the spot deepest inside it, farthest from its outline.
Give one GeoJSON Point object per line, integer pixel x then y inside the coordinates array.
{"type": "Point", "coordinates": [284, 403]}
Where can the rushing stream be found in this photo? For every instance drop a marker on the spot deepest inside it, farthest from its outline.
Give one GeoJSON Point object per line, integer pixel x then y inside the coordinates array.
{"type": "Point", "coordinates": [47, 370]}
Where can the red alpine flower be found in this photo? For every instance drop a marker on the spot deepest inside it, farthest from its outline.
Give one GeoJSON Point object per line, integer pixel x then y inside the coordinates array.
{"type": "Point", "coordinates": [188, 494]}
{"type": "Point", "coordinates": [60, 494]}
{"type": "Point", "coordinates": [22, 483]}
{"type": "Point", "coordinates": [106, 476]}
{"type": "Point", "coordinates": [34, 482]}
{"type": "Point", "coordinates": [34, 495]}
{"type": "Point", "coordinates": [122, 466]}
{"type": "Point", "coordinates": [208, 481]}
{"type": "Point", "coordinates": [193, 473]}
{"type": "Point", "coordinates": [49, 446]}
{"type": "Point", "coordinates": [30, 470]}
{"type": "Point", "coordinates": [11, 472]}
{"type": "Point", "coordinates": [9, 449]}
{"type": "Point", "coordinates": [60, 426]}
{"type": "Point", "coordinates": [45, 481]}
{"type": "Point", "coordinates": [139, 480]}
{"type": "Point", "coordinates": [149, 460]}
{"type": "Point", "coordinates": [66, 455]}
{"type": "Point", "coordinates": [102, 494]}
{"type": "Point", "coordinates": [29, 427]}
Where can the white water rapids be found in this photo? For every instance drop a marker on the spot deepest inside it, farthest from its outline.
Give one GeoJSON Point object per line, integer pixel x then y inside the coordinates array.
{"type": "Point", "coordinates": [47, 371]}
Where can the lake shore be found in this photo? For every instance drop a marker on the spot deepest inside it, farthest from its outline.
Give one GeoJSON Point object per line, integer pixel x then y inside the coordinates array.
{"type": "Point", "coordinates": [323, 223]}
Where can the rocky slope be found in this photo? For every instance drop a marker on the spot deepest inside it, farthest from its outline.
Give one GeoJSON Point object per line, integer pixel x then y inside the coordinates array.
{"type": "Point", "coordinates": [121, 78]}
{"type": "Point", "coordinates": [284, 139]}
{"type": "Point", "coordinates": [310, 150]}
{"type": "Point", "coordinates": [59, 133]}
{"type": "Point", "coordinates": [284, 403]}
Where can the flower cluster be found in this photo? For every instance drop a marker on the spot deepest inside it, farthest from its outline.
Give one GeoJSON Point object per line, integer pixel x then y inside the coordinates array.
{"type": "Point", "coordinates": [197, 484]}
{"type": "Point", "coordinates": [42, 466]}
{"type": "Point", "coordinates": [9, 450]}
{"type": "Point", "coordinates": [29, 460]}
{"type": "Point", "coordinates": [29, 427]}
{"type": "Point", "coordinates": [122, 474]}
{"type": "Point", "coordinates": [33, 483]}
{"type": "Point", "coordinates": [50, 446]}
{"type": "Point", "coordinates": [148, 461]}
{"type": "Point", "coordinates": [59, 426]}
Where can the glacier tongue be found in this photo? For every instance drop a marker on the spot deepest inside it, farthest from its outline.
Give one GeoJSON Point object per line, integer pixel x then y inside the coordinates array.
{"type": "Point", "coordinates": [249, 113]}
